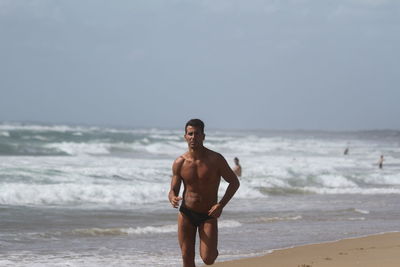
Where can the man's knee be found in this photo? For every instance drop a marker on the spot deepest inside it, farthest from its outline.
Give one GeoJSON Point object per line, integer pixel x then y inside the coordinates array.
{"type": "Point", "coordinates": [210, 259]}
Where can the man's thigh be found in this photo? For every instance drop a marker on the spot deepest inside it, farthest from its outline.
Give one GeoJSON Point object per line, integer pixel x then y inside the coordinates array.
{"type": "Point", "coordinates": [208, 233]}
{"type": "Point", "coordinates": [186, 233]}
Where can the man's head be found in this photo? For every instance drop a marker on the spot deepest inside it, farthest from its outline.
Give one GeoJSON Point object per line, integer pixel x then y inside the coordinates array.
{"type": "Point", "coordinates": [236, 160]}
{"type": "Point", "coordinates": [195, 123]}
{"type": "Point", "coordinates": [194, 133]}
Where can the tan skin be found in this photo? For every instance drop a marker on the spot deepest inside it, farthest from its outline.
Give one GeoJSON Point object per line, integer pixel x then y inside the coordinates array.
{"type": "Point", "coordinates": [200, 170]}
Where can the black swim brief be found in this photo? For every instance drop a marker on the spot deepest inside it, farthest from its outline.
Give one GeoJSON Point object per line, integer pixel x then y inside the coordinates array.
{"type": "Point", "coordinates": [196, 218]}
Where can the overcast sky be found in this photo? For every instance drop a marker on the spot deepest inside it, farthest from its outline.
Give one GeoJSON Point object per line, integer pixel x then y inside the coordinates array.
{"type": "Point", "coordinates": [287, 64]}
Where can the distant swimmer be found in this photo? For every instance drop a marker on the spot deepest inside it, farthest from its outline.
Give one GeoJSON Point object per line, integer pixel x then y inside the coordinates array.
{"type": "Point", "coordinates": [380, 162]}
{"type": "Point", "coordinates": [346, 151]}
{"type": "Point", "coordinates": [237, 169]}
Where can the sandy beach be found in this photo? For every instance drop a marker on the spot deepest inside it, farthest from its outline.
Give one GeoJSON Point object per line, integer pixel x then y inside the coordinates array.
{"type": "Point", "coordinates": [381, 250]}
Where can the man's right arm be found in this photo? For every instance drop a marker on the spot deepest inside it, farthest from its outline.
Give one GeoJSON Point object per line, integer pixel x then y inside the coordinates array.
{"type": "Point", "coordinates": [230, 177]}
{"type": "Point", "coordinates": [176, 182]}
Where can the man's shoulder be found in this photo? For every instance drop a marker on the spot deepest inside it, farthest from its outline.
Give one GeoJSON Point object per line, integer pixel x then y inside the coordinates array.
{"type": "Point", "coordinates": [214, 155]}
{"type": "Point", "coordinates": [177, 165]}
{"type": "Point", "coordinates": [179, 160]}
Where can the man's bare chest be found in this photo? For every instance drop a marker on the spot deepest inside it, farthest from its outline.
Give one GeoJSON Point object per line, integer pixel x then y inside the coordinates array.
{"type": "Point", "coordinates": [199, 171]}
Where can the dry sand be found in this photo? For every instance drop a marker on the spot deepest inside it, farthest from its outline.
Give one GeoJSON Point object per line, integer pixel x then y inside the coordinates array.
{"type": "Point", "coordinates": [382, 250]}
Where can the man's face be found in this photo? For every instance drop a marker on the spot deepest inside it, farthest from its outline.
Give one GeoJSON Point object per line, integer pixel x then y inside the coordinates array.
{"type": "Point", "coordinates": [194, 137]}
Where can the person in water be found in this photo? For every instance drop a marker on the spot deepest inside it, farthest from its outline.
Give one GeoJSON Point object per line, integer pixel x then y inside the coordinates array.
{"type": "Point", "coordinates": [200, 170]}
{"type": "Point", "coordinates": [237, 169]}
{"type": "Point", "coordinates": [380, 162]}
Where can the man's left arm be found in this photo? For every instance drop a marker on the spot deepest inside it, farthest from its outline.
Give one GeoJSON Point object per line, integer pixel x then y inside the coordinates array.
{"type": "Point", "coordinates": [233, 181]}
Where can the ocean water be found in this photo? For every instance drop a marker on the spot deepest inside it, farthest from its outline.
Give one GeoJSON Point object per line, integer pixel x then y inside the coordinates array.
{"type": "Point", "coordinates": [92, 196]}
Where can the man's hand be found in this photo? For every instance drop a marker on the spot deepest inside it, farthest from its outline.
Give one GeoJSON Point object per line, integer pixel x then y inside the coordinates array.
{"type": "Point", "coordinates": [175, 201]}
{"type": "Point", "coordinates": [215, 211]}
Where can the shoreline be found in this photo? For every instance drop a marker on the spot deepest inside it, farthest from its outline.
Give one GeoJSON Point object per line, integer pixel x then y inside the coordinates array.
{"type": "Point", "coordinates": [376, 250]}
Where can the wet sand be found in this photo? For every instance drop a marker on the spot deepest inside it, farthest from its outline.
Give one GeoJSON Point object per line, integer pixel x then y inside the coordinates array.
{"type": "Point", "coordinates": [381, 250]}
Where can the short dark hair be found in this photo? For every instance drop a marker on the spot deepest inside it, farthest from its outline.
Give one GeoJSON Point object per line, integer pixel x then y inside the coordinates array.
{"type": "Point", "coordinates": [195, 123]}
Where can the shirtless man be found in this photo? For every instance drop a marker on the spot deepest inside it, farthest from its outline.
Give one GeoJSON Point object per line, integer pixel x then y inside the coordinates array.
{"type": "Point", "coordinates": [237, 169]}
{"type": "Point", "coordinates": [200, 170]}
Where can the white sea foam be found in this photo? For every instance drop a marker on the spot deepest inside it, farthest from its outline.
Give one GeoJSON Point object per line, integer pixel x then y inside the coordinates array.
{"type": "Point", "coordinates": [101, 148]}
{"type": "Point", "coordinates": [277, 219]}
{"type": "Point", "coordinates": [228, 224]}
{"type": "Point", "coordinates": [103, 257]}
{"type": "Point", "coordinates": [335, 181]}
{"type": "Point", "coordinates": [47, 128]}
{"type": "Point", "coordinates": [245, 191]}
{"type": "Point", "coordinates": [81, 194]}
{"type": "Point", "coordinates": [361, 211]}
{"type": "Point", "coordinates": [170, 228]}
{"type": "Point", "coordinates": [81, 148]}
{"type": "Point", "coordinates": [168, 148]}
{"type": "Point", "coordinates": [356, 219]}
{"type": "Point", "coordinates": [40, 138]}
{"type": "Point", "coordinates": [167, 137]}
{"type": "Point", "coordinates": [127, 231]}
{"type": "Point", "coordinates": [383, 179]}
{"type": "Point", "coordinates": [4, 133]}
{"type": "Point", "coordinates": [361, 191]}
